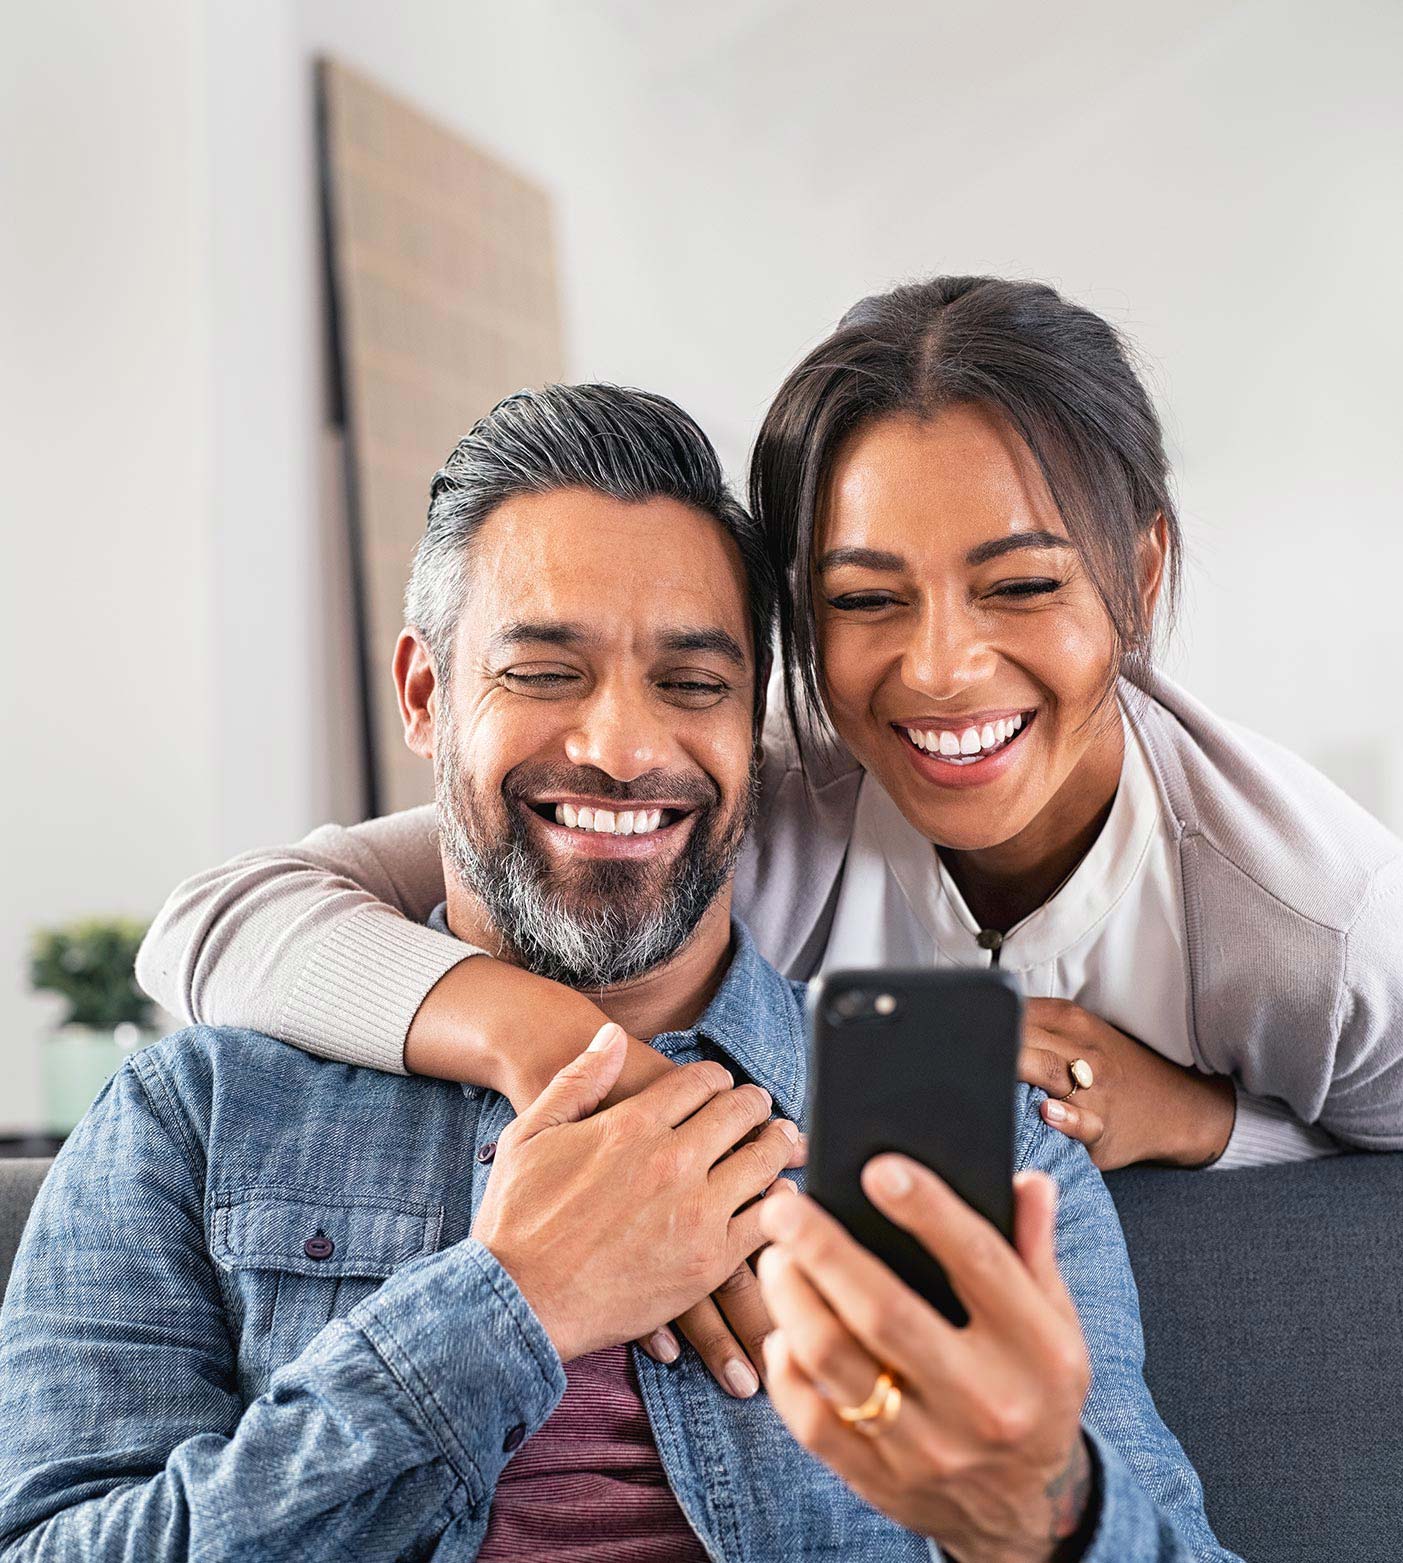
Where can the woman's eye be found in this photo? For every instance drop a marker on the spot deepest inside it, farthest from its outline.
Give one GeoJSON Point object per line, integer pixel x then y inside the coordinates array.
{"type": "Point", "coordinates": [861, 602]}
{"type": "Point", "coordinates": [1025, 588]}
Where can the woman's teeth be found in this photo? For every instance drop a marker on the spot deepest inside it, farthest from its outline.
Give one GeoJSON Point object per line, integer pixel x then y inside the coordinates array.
{"type": "Point", "coordinates": [609, 822]}
{"type": "Point", "coordinates": [972, 744]}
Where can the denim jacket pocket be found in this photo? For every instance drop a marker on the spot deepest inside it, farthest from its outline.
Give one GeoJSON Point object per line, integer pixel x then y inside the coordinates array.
{"type": "Point", "coordinates": [292, 1260]}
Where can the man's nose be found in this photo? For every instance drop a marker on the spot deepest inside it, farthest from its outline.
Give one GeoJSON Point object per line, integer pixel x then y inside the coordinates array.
{"type": "Point", "coordinates": [949, 652]}
{"type": "Point", "coordinates": [620, 734]}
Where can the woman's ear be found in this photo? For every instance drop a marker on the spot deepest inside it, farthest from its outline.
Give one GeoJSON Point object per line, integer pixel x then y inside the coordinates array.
{"type": "Point", "coordinates": [416, 684]}
{"type": "Point", "coordinates": [1154, 550]}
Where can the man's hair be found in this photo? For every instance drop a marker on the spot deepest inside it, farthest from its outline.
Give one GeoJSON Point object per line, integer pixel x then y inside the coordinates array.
{"type": "Point", "coordinates": [627, 444]}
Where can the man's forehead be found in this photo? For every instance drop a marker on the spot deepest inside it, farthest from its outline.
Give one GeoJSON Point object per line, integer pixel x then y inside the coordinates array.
{"type": "Point", "coordinates": [632, 571]}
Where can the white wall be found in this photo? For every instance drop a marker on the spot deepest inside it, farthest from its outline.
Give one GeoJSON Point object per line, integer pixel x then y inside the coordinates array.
{"type": "Point", "coordinates": [106, 691]}
{"type": "Point", "coordinates": [1219, 179]}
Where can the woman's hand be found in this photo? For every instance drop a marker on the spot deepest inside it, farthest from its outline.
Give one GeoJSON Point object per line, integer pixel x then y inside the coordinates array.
{"type": "Point", "coordinates": [1140, 1106]}
{"type": "Point", "coordinates": [985, 1453]}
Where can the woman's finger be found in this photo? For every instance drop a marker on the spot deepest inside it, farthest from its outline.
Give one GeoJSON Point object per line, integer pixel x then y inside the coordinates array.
{"type": "Point", "coordinates": [837, 1364]}
{"type": "Point", "coordinates": [661, 1346]}
{"type": "Point", "coordinates": [743, 1308]}
{"type": "Point", "coordinates": [714, 1343]}
{"type": "Point", "coordinates": [1077, 1123]}
{"type": "Point", "coordinates": [1045, 1068]}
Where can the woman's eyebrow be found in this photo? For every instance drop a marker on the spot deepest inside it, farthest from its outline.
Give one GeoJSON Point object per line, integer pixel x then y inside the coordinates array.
{"type": "Point", "coordinates": [863, 558]}
{"type": "Point", "coordinates": [997, 547]}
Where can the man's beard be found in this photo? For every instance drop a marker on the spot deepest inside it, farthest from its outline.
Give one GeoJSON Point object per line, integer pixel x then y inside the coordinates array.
{"type": "Point", "coordinates": [601, 922]}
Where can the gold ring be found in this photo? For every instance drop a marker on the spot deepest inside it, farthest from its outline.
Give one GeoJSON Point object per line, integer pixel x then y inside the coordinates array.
{"type": "Point", "coordinates": [878, 1411]}
{"type": "Point", "coordinates": [1082, 1077]}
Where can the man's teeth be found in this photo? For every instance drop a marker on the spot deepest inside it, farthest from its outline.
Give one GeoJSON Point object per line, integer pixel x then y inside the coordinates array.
{"type": "Point", "coordinates": [609, 822]}
{"type": "Point", "coordinates": [962, 747]}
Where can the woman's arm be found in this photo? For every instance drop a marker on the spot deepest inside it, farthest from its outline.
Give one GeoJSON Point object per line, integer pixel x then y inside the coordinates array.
{"type": "Point", "coordinates": [324, 945]}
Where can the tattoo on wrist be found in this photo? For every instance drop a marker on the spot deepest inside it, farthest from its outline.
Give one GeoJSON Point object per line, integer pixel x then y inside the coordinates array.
{"type": "Point", "coordinates": [1069, 1494]}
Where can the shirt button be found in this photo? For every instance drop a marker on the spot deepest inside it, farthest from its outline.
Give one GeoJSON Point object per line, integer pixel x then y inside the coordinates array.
{"type": "Point", "coordinates": [319, 1247]}
{"type": "Point", "coordinates": [512, 1441]}
{"type": "Point", "coordinates": [486, 1152]}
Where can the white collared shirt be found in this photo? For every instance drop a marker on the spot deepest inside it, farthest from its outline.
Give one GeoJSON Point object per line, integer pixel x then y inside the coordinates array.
{"type": "Point", "coordinates": [1112, 938]}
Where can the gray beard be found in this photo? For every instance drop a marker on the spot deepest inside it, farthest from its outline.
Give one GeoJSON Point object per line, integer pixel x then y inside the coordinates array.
{"type": "Point", "coordinates": [615, 923]}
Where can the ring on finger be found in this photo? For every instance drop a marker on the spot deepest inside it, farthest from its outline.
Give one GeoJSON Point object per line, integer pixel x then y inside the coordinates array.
{"type": "Point", "coordinates": [875, 1414]}
{"type": "Point", "coordinates": [1082, 1078]}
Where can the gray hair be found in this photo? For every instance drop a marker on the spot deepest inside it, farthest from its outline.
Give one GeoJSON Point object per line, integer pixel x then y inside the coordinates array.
{"type": "Point", "coordinates": [630, 445]}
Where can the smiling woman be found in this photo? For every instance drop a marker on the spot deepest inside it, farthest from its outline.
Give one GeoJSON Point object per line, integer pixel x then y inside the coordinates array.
{"type": "Point", "coordinates": [967, 508]}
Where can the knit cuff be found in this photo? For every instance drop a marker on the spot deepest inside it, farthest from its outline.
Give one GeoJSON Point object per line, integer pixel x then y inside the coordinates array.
{"type": "Point", "coordinates": [1267, 1132]}
{"type": "Point", "coordinates": [362, 987]}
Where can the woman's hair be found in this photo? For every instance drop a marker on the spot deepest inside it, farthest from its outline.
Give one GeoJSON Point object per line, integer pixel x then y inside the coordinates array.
{"type": "Point", "coordinates": [1056, 373]}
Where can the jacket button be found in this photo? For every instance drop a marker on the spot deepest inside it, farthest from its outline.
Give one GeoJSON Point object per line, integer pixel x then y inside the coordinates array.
{"type": "Point", "coordinates": [513, 1439]}
{"type": "Point", "coordinates": [319, 1247]}
{"type": "Point", "coordinates": [486, 1152]}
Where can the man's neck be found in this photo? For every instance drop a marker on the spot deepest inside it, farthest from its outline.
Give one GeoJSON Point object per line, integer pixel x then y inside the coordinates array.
{"type": "Point", "coordinates": [670, 997]}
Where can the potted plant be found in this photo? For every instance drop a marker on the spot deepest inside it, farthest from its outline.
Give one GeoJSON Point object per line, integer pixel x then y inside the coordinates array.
{"type": "Point", "coordinates": [91, 966]}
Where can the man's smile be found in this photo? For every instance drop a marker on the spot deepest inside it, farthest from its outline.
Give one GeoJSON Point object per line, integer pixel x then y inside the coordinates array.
{"type": "Point", "coordinates": [610, 828]}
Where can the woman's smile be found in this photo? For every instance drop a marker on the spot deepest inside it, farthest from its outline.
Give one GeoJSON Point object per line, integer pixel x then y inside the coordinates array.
{"type": "Point", "coordinates": [970, 752]}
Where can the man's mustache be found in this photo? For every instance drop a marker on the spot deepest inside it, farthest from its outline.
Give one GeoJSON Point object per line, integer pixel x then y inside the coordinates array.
{"type": "Point", "coordinates": [525, 782]}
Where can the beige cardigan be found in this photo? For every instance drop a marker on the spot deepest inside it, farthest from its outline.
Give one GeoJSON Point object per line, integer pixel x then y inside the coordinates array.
{"type": "Point", "coordinates": [1293, 916]}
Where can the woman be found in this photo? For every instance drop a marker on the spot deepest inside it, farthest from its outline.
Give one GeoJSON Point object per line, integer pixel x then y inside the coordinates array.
{"type": "Point", "coordinates": [966, 493]}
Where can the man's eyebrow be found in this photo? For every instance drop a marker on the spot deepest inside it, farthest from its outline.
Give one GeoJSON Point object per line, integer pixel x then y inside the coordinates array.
{"type": "Point", "coordinates": [549, 632]}
{"type": "Point", "coordinates": [716, 640]}
{"type": "Point", "coordinates": [863, 558]}
{"type": "Point", "coordinates": [997, 547]}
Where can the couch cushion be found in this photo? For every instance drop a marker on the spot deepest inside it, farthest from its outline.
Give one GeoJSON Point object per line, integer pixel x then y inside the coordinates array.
{"type": "Point", "coordinates": [19, 1182]}
{"type": "Point", "coordinates": [1273, 1309]}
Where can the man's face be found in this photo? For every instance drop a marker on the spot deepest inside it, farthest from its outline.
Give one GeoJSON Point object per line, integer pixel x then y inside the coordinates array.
{"type": "Point", "coordinates": [593, 747]}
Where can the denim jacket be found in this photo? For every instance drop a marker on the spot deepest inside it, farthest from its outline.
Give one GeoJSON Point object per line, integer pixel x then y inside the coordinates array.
{"type": "Point", "coordinates": [248, 1321]}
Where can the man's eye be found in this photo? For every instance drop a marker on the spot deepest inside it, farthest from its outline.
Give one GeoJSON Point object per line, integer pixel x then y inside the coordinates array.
{"type": "Point", "coordinates": [861, 602]}
{"type": "Point", "coordinates": [542, 681]}
{"type": "Point", "coordinates": [1025, 588]}
{"type": "Point", "coordinates": [695, 691]}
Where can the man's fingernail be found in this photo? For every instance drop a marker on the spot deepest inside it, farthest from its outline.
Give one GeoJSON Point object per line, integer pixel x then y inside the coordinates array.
{"type": "Point", "coordinates": [603, 1038]}
{"type": "Point", "coordinates": [662, 1344]}
{"type": "Point", "coordinates": [740, 1378]}
{"type": "Point", "coordinates": [892, 1177]}
{"type": "Point", "coordinates": [1054, 1111]}
{"type": "Point", "coordinates": [789, 1130]}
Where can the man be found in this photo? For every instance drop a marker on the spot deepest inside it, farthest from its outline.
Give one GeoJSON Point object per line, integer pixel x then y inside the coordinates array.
{"type": "Point", "coordinates": [269, 1306]}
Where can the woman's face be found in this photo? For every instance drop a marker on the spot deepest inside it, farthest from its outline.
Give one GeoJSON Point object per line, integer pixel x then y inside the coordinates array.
{"type": "Point", "coordinates": [964, 651]}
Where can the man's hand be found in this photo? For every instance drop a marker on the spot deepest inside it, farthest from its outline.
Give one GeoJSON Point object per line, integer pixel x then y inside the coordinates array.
{"type": "Point", "coordinates": [614, 1222]}
{"type": "Point", "coordinates": [1141, 1106]}
{"type": "Point", "coordinates": [986, 1453]}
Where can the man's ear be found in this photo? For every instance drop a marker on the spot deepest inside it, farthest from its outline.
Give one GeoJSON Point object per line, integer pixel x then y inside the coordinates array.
{"type": "Point", "coordinates": [416, 684]}
{"type": "Point", "coordinates": [1154, 549]}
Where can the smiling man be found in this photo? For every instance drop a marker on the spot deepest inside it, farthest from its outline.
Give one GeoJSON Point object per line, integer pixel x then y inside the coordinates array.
{"type": "Point", "coordinates": [272, 1306]}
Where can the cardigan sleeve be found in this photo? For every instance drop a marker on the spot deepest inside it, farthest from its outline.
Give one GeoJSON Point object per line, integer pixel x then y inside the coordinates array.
{"type": "Point", "coordinates": [1364, 1105]}
{"type": "Point", "coordinates": [322, 944]}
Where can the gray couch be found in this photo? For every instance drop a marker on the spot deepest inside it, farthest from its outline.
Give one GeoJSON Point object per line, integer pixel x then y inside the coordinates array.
{"type": "Point", "coordinates": [1273, 1307]}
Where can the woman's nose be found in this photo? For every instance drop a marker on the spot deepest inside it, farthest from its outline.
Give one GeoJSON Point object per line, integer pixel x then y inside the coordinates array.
{"type": "Point", "coordinates": [948, 653]}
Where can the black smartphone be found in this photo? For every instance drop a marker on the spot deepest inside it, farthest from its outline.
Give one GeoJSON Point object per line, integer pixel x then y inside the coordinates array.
{"type": "Point", "coordinates": [921, 1062]}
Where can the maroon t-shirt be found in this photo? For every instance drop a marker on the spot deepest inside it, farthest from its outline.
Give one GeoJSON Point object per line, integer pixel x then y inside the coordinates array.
{"type": "Point", "coordinates": [589, 1487]}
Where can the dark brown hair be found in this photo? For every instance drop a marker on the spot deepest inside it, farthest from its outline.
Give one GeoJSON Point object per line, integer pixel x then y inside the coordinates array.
{"type": "Point", "coordinates": [1058, 374]}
